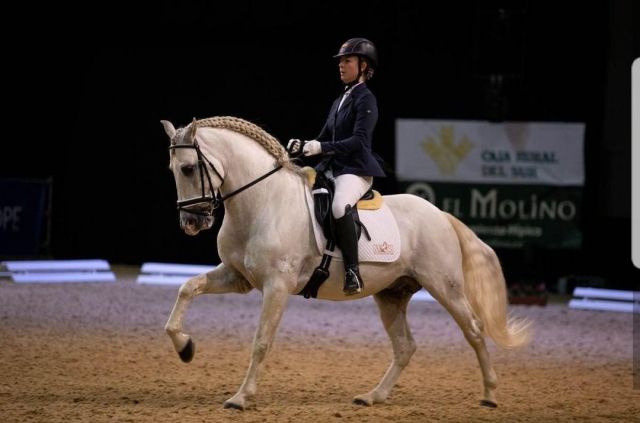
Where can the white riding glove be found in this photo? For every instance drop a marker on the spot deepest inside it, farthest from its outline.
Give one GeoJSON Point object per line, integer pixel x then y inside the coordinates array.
{"type": "Point", "coordinates": [293, 146]}
{"type": "Point", "coordinates": [311, 148]}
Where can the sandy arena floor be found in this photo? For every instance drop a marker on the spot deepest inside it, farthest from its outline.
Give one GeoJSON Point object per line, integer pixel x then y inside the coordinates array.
{"type": "Point", "coordinates": [98, 352]}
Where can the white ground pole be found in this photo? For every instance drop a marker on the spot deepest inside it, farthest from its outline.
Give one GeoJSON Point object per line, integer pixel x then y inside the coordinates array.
{"type": "Point", "coordinates": [169, 273]}
{"type": "Point", "coordinates": [58, 271]}
{"type": "Point", "coordinates": [605, 299]}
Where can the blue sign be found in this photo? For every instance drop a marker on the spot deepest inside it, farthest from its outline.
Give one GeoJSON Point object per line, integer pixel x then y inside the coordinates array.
{"type": "Point", "coordinates": [22, 215]}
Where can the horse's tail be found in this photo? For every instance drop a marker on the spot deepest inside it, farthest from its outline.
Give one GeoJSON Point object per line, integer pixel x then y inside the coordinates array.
{"type": "Point", "coordinates": [485, 289]}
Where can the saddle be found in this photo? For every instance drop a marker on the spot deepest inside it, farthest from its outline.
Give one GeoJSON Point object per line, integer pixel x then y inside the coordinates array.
{"type": "Point", "coordinates": [323, 192]}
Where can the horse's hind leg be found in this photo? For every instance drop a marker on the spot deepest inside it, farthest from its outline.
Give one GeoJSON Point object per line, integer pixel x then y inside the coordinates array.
{"type": "Point", "coordinates": [457, 305]}
{"type": "Point", "coordinates": [392, 304]}
{"type": "Point", "coordinates": [218, 281]}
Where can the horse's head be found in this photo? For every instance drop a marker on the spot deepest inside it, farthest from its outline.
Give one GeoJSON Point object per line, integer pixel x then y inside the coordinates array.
{"type": "Point", "coordinates": [197, 179]}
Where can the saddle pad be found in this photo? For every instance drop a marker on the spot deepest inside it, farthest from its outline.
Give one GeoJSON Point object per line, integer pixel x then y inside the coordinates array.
{"type": "Point", "coordinates": [384, 246]}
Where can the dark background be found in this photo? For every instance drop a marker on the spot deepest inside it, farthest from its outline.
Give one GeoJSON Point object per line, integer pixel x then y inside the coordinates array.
{"type": "Point", "coordinates": [85, 89]}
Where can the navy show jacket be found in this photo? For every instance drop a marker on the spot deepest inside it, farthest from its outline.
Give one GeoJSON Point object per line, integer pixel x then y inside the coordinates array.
{"type": "Point", "coordinates": [347, 135]}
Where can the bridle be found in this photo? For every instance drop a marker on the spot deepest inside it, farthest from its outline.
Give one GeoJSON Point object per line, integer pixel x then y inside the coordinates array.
{"type": "Point", "coordinates": [214, 199]}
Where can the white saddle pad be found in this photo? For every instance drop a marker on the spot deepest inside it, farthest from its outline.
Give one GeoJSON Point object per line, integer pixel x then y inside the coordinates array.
{"type": "Point", "coordinates": [384, 246]}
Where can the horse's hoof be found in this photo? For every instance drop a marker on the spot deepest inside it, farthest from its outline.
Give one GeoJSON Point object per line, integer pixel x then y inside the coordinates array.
{"type": "Point", "coordinates": [360, 401]}
{"type": "Point", "coordinates": [489, 404]}
{"type": "Point", "coordinates": [187, 353]}
{"type": "Point", "coordinates": [229, 404]}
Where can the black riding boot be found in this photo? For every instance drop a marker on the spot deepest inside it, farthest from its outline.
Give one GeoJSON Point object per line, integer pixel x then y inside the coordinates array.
{"type": "Point", "coordinates": [347, 240]}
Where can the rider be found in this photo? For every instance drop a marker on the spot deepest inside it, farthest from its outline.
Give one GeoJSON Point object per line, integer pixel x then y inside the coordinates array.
{"type": "Point", "coordinates": [346, 140]}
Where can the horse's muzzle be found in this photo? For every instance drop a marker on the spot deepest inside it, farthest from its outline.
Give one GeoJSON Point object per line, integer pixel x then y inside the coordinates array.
{"type": "Point", "coordinates": [191, 223]}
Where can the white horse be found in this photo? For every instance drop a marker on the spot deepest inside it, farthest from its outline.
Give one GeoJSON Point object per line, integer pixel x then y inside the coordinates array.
{"type": "Point", "coordinates": [266, 242]}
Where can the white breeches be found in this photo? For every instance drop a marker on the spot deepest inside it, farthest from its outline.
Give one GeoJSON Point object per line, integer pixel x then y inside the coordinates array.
{"type": "Point", "coordinates": [349, 189]}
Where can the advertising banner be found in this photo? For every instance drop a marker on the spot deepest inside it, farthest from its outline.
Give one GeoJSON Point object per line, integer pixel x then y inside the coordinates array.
{"type": "Point", "coordinates": [22, 215]}
{"type": "Point", "coordinates": [484, 152]}
{"type": "Point", "coordinates": [509, 216]}
{"type": "Point", "coordinates": [514, 184]}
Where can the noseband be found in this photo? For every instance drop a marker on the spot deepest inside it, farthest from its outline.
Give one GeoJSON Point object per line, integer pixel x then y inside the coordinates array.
{"type": "Point", "coordinates": [213, 199]}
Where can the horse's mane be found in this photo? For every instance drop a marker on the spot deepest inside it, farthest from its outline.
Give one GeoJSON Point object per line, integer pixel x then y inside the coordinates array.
{"type": "Point", "coordinates": [253, 131]}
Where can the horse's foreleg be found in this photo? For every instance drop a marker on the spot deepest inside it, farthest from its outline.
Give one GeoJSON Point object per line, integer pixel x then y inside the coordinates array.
{"type": "Point", "coordinates": [218, 281]}
{"type": "Point", "coordinates": [273, 305]}
{"type": "Point", "coordinates": [393, 312]}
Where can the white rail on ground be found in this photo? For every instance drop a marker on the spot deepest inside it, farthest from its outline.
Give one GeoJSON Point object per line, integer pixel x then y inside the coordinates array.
{"type": "Point", "coordinates": [58, 271]}
{"type": "Point", "coordinates": [605, 299]}
{"type": "Point", "coordinates": [169, 273]}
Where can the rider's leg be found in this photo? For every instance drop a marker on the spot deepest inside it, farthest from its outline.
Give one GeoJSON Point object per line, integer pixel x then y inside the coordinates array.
{"type": "Point", "coordinates": [349, 189]}
{"type": "Point", "coordinates": [347, 239]}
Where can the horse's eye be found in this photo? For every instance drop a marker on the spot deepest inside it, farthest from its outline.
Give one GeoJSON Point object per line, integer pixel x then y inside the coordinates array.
{"type": "Point", "coordinates": [187, 170]}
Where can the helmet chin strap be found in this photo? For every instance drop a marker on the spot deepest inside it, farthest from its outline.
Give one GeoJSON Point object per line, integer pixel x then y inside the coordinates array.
{"type": "Point", "coordinates": [359, 69]}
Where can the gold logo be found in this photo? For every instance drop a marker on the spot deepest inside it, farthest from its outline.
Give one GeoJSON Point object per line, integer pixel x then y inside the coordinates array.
{"type": "Point", "coordinates": [445, 152]}
{"type": "Point", "coordinates": [385, 249]}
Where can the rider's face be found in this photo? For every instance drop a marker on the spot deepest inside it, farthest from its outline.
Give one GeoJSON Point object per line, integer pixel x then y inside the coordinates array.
{"type": "Point", "coordinates": [348, 67]}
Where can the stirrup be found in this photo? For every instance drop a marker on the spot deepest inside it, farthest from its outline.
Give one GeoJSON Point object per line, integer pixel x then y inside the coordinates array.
{"type": "Point", "coordinates": [352, 289]}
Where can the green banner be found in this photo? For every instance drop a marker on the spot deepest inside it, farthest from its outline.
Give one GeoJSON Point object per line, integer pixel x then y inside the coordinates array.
{"type": "Point", "coordinates": [510, 216]}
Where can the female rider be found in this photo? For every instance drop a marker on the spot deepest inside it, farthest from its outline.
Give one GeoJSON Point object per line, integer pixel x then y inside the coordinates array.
{"type": "Point", "coordinates": [345, 141]}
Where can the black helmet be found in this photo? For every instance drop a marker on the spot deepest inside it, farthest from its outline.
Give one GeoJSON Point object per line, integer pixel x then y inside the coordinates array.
{"type": "Point", "coordinates": [359, 47]}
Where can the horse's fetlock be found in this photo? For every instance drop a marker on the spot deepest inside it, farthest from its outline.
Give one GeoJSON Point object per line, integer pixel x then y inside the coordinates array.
{"type": "Point", "coordinates": [250, 390]}
{"type": "Point", "coordinates": [170, 329]}
{"type": "Point", "coordinates": [492, 380]}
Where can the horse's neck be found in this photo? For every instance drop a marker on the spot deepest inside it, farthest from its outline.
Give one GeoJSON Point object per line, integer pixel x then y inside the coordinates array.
{"type": "Point", "coordinates": [243, 161]}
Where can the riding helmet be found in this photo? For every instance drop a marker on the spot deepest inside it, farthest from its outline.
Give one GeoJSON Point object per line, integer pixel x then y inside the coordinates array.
{"type": "Point", "coordinates": [359, 47]}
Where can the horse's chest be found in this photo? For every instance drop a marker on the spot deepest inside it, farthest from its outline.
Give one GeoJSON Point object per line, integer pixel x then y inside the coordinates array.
{"type": "Point", "coordinates": [247, 265]}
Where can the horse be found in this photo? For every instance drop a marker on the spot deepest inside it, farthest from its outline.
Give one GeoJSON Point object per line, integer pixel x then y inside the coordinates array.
{"type": "Point", "coordinates": [266, 242]}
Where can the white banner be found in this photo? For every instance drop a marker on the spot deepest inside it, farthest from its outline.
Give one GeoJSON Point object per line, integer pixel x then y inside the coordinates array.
{"type": "Point", "coordinates": [483, 152]}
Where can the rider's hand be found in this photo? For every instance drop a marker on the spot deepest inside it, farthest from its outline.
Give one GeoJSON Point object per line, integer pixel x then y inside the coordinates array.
{"type": "Point", "coordinates": [293, 146]}
{"type": "Point", "coordinates": [311, 148]}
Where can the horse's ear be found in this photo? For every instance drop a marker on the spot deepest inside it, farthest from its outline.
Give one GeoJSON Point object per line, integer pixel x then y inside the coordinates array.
{"type": "Point", "coordinates": [168, 128]}
{"type": "Point", "coordinates": [194, 127]}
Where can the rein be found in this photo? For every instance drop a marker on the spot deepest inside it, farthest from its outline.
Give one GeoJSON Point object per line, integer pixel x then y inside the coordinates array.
{"type": "Point", "coordinates": [214, 199]}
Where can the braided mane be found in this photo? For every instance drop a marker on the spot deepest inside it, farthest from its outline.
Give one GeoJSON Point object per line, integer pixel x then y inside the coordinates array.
{"type": "Point", "coordinates": [253, 131]}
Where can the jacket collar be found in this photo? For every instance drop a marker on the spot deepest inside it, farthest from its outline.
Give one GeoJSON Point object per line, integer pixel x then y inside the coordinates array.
{"type": "Point", "coordinates": [348, 89]}
{"type": "Point", "coordinates": [347, 97]}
